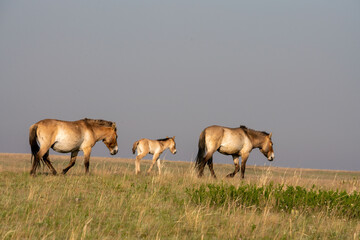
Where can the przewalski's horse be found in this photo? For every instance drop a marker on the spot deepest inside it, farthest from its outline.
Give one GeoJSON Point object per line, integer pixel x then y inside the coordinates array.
{"type": "Point", "coordinates": [154, 147]}
{"type": "Point", "coordinates": [64, 137]}
{"type": "Point", "coordinates": [238, 142]}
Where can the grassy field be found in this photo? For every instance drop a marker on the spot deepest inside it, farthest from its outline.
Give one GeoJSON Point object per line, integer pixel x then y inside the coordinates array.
{"type": "Point", "coordinates": [113, 203]}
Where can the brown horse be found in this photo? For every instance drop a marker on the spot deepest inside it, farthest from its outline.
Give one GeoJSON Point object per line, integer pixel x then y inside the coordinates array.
{"type": "Point", "coordinates": [238, 142]}
{"type": "Point", "coordinates": [154, 147]}
{"type": "Point", "coordinates": [64, 137]}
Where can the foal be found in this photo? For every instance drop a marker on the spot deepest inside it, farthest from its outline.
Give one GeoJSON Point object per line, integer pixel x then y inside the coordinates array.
{"type": "Point", "coordinates": [154, 147]}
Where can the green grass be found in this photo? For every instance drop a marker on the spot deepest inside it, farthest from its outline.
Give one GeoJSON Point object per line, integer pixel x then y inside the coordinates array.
{"type": "Point", "coordinates": [113, 203]}
{"type": "Point", "coordinates": [279, 198]}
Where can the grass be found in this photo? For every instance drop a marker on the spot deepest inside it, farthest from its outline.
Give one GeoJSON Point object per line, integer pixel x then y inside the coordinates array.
{"type": "Point", "coordinates": [113, 203]}
{"type": "Point", "coordinates": [279, 198]}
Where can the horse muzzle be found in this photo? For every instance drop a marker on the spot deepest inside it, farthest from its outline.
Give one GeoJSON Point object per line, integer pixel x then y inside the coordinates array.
{"type": "Point", "coordinates": [114, 151]}
{"type": "Point", "coordinates": [271, 157]}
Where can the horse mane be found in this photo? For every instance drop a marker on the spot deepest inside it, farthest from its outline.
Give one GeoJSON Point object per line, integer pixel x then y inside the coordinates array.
{"type": "Point", "coordinates": [163, 139]}
{"type": "Point", "coordinates": [252, 131]}
{"type": "Point", "coordinates": [100, 123]}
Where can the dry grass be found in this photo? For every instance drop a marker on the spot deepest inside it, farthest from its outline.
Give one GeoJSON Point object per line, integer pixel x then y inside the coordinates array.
{"type": "Point", "coordinates": [113, 203]}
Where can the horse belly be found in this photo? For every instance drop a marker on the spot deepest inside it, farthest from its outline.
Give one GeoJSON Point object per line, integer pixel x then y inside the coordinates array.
{"type": "Point", "coordinates": [229, 149]}
{"type": "Point", "coordinates": [154, 147]}
{"type": "Point", "coordinates": [230, 145]}
{"type": "Point", "coordinates": [65, 144]}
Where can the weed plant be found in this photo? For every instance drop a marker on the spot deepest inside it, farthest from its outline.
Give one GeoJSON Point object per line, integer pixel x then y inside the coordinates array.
{"type": "Point", "coordinates": [279, 198]}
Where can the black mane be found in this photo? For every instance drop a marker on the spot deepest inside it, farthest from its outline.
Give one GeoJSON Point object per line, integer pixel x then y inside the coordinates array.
{"type": "Point", "coordinates": [247, 129]}
{"type": "Point", "coordinates": [163, 139]}
{"type": "Point", "coordinates": [100, 122]}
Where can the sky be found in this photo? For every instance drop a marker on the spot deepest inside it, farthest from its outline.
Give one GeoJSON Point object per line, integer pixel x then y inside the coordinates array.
{"type": "Point", "coordinates": [172, 68]}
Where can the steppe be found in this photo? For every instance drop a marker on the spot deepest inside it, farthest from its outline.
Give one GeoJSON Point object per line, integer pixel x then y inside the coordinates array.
{"type": "Point", "coordinates": [114, 203]}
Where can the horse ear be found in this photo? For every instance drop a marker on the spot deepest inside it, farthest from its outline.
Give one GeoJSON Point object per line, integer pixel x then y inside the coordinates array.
{"type": "Point", "coordinates": [270, 135]}
{"type": "Point", "coordinates": [113, 125]}
{"type": "Point", "coordinates": [173, 137]}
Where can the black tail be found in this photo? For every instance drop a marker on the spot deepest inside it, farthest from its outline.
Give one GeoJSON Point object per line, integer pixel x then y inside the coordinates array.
{"type": "Point", "coordinates": [201, 151]}
{"type": "Point", "coordinates": [33, 144]}
{"type": "Point", "coordinates": [33, 140]}
{"type": "Point", "coordinates": [135, 146]}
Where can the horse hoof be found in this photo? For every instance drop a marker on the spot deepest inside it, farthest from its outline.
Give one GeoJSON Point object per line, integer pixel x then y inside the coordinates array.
{"type": "Point", "coordinates": [230, 175]}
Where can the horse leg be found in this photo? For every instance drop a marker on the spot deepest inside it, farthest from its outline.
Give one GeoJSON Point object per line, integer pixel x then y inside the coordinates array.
{"type": "Point", "coordinates": [38, 156]}
{"type": "Point", "coordinates": [87, 152]}
{"type": "Point", "coordinates": [155, 157]}
{"type": "Point", "coordinates": [237, 167]}
{"type": "Point", "coordinates": [204, 162]}
{"type": "Point", "coordinates": [48, 163]}
{"type": "Point", "coordinates": [244, 158]}
{"type": "Point", "coordinates": [211, 167]}
{"type": "Point", "coordinates": [35, 164]}
{"type": "Point", "coordinates": [71, 163]}
{"type": "Point", "coordinates": [137, 162]}
{"type": "Point", "coordinates": [158, 165]}
{"type": "Point", "coordinates": [201, 167]}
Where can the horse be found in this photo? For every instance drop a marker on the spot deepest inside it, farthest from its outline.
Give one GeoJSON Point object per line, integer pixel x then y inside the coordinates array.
{"type": "Point", "coordinates": [66, 136]}
{"type": "Point", "coordinates": [237, 142]}
{"type": "Point", "coordinates": [154, 147]}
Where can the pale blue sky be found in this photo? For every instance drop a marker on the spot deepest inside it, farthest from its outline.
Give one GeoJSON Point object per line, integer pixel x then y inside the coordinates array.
{"type": "Point", "coordinates": [161, 68]}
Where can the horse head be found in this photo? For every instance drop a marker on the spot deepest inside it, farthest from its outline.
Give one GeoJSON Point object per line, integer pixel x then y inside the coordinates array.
{"type": "Point", "coordinates": [267, 148]}
{"type": "Point", "coordinates": [172, 146]}
{"type": "Point", "coordinates": [111, 140]}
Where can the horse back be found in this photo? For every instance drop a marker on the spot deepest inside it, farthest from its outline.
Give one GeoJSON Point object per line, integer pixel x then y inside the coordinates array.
{"type": "Point", "coordinates": [63, 136]}
{"type": "Point", "coordinates": [225, 140]}
{"type": "Point", "coordinates": [149, 146]}
{"type": "Point", "coordinates": [53, 126]}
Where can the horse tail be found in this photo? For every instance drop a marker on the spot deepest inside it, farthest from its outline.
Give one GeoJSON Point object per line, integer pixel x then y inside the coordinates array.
{"type": "Point", "coordinates": [33, 141]}
{"type": "Point", "coordinates": [201, 151]}
{"type": "Point", "coordinates": [135, 146]}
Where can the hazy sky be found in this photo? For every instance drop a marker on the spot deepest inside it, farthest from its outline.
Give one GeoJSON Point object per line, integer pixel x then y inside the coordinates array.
{"type": "Point", "coordinates": [164, 68]}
